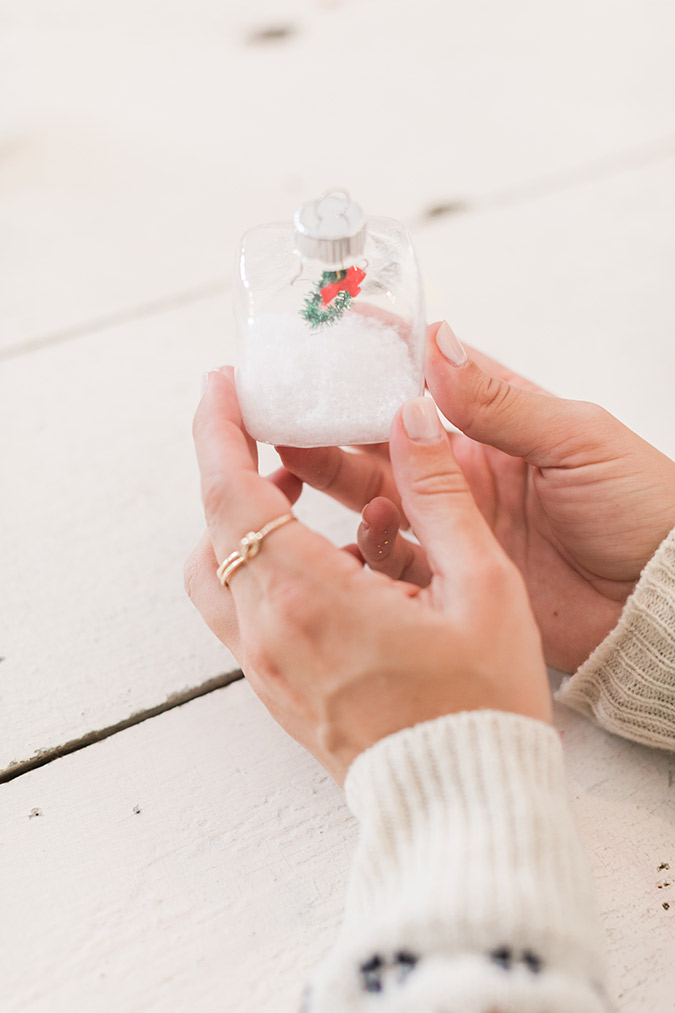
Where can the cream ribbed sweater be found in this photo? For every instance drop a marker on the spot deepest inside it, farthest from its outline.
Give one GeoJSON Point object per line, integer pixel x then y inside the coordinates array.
{"type": "Point", "coordinates": [628, 684]}
{"type": "Point", "coordinates": [469, 891]}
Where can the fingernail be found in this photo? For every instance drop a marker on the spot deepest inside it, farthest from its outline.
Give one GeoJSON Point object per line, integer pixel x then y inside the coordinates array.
{"type": "Point", "coordinates": [421, 420]}
{"type": "Point", "coordinates": [205, 382]}
{"type": "Point", "coordinates": [450, 346]}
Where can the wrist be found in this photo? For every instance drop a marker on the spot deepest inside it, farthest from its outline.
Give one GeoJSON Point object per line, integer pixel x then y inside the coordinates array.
{"type": "Point", "coordinates": [468, 880]}
{"type": "Point", "coordinates": [627, 684]}
{"type": "Point", "coordinates": [466, 828]}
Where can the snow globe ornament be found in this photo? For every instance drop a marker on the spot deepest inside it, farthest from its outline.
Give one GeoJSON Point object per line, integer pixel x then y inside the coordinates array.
{"type": "Point", "coordinates": [330, 326]}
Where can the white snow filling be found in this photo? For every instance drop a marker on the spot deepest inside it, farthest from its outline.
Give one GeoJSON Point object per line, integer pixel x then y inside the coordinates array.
{"type": "Point", "coordinates": [342, 384]}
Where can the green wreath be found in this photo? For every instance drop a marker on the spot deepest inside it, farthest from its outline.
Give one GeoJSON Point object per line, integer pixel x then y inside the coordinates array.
{"type": "Point", "coordinates": [314, 311]}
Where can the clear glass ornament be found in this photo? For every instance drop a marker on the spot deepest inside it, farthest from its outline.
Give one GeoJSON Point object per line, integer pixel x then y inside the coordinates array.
{"type": "Point", "coordinates": [330, 326]}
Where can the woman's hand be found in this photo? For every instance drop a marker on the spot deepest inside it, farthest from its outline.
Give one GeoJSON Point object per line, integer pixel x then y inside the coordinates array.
{"type": "Point", "coordinates": [342, 656]}
{"type": "Point", "coordinates": [577, 500]}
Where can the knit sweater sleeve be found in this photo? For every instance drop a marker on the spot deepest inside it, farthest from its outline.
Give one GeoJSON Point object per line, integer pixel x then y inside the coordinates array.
{"type": "Point", "coordinates": [628, 684]}
{"type": "Point", "coordinates": [469, 890]}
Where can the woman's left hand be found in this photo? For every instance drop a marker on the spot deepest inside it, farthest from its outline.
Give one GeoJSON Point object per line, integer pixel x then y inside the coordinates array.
{"type": "Point", "coordinates": [342, 656]}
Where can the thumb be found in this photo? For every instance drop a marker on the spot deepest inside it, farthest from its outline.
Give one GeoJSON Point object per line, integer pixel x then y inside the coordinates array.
{"type": "Point", "coordinates": [520, 420]}
{"type": "Point", "coordinates": [434, 493]}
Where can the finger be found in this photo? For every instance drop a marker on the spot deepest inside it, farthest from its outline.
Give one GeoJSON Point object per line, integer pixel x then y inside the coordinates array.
{"type": "Point", "coordinates": [213, 602]}
{"type": "Point", "coordinates": [228, 371]}
{"type": "Point", "coordinates": [385, 550]}
{"type": "Point", "coordinates": [353, 479]}
{"type": "Point", "coordinates": [236, 498]}
{"type": "Point", "coordinates": [290, 484]}
{"type": "Point", "coordinates": [498, 369]}
{"type": "Point", "coordinates": [435, 493]}
{"type": "Point", "coordinates": [353, 550]}
{"type": "Point", "coordinates": [376, 449]}
{"type": "Point", "coordinates": [511, 415]}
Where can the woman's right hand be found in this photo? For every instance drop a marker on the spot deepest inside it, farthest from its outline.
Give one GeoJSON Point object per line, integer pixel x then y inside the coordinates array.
{"type": "Point", "coordinates": [340, 656]}
{"type": "Point", "coordinates": [578, 501]}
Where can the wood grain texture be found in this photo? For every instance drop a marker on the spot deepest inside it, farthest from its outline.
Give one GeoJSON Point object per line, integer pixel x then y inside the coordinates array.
{"type": "Point", "coordinates": [199, 861]}
{"type": "Point", "coordinates": [94, 623]}
{"type": "Point", "coordinates": [623, 799]}
{"type": "Point", "coordinates": [104, 504]}
{"type": "Point", "coordinates": [195, 862]}
{"type": "Point", "coordinates": [572, 289]}
{"type": "Point", "coordinates": [145, 144]}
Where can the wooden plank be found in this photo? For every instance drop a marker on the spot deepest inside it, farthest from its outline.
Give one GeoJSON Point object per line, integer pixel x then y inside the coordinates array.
{"type": "Point", "coordinates": [199, 861]}
{"type": "Point", "coordinates": [103, 504]}
{"type": "Point", "coordinates": [126, 181]}
{"type": "Point", "coordinates": [624, 804]}
{"type": "Point", "coordinates": [574, 290]}
{"type": "Point", "coordinates": [104, 507]}
{"type": "Point", "coordinates": [178, 865]}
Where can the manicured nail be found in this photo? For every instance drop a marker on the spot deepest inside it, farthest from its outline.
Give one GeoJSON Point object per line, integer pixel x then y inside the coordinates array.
{"type": "Point", "coordinates": [450, 346]}
{"type": "Point", "coordinates": [421, 420]}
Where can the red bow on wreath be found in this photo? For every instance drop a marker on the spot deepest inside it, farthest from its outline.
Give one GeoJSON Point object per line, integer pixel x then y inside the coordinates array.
{"type": "Point", "coordinates": [349, 281]}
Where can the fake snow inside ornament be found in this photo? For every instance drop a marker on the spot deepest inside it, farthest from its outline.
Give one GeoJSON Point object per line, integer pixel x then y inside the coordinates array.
{"type": "Point", "coordinates": [330, 326]}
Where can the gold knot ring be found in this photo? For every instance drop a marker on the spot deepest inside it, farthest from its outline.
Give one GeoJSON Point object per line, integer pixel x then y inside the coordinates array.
{"type": "Point", "coordinates": [249, 546]}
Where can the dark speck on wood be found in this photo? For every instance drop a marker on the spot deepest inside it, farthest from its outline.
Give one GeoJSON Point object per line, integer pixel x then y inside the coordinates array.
{"type": "Point", "coordinates": [662, 866]}
{"type": "Point", "coordinates": [666, 905]}
{"type": "Point", "coordinates": [34, 812]}
{"type": "Point", "coordinates": [453, 207]}
{"type": "Point", "coordinates": [137, 809]}
{"type": "Point", "coordinates": [273, 33]}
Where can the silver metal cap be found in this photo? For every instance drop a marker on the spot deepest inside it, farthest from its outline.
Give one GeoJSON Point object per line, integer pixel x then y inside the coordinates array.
{"type": "Point", "coordinates": [330, 228]}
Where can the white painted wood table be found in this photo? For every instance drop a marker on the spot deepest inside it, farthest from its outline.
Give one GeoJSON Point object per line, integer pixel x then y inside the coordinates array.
{"type": "Point", "coordinates": [195, 858]}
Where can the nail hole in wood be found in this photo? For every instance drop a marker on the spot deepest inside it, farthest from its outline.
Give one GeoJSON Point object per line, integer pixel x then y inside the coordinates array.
{"type": "Point", "coordinates": [273, 33]}
{"type": "Point", "coordinates": [445, 209]}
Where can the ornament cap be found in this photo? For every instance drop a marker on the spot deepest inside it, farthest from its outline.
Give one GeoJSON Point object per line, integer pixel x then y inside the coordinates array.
{"type": "Point", "coordinates": [330, 228]}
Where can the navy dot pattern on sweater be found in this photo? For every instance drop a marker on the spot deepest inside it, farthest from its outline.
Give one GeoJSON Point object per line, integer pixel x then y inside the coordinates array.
{"type": "Point", "coordinates": [382, 972]}
{"type": "Point", "coordinates": [507, 958]}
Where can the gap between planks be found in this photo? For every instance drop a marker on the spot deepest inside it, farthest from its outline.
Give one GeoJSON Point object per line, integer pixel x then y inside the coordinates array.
{"type": "Point", "coordinates": [553, 183]}
{"type": "Point", "coordinates": [154, 307]}
{"type": "Point", "coordinates": [545, 186]}
{"type": "Point", "coordinates": [46, 756]}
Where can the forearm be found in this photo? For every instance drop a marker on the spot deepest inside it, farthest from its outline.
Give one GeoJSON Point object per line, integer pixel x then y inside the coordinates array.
{"type": "Point", "coordinates": [628, 684]}
{"type": "Point", "coordinates": [469, 888]}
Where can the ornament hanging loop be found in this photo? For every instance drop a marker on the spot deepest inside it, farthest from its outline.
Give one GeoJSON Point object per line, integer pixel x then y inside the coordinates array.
{"type": "Point", "coordinates": [331, 228]}
{"type": "Point", "coordinates": [337, 192]}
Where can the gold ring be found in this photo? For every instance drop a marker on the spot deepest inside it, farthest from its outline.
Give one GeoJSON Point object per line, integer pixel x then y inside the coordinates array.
{"type": "Point", "coordinates": [249, 547]}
